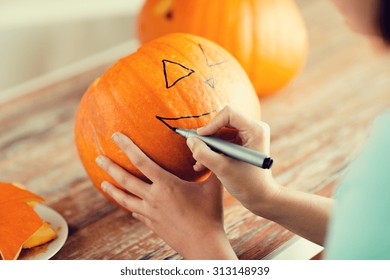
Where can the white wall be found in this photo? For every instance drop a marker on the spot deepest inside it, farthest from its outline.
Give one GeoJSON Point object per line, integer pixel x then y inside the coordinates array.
{"type": "Point", "coordinates": [21, 13]}
{"type": "Point", "coordinates": [40, 36]}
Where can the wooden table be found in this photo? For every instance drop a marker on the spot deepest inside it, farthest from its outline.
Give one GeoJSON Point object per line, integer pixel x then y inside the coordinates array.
{"type": "Point", "coordinates": [318, 124]}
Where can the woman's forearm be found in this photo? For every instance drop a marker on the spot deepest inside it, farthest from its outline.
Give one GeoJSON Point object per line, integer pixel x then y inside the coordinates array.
{"type": "Point", "coordinates": [302, 213]}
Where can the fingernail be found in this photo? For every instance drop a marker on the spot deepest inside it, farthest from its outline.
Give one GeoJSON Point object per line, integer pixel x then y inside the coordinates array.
{"type": "Point", "coordinates": [100, 161]}
{"type": "Point", "coordinates": [104, 186]}
{"type": "Point", "coordinates": [115, 137]}
{"type": "Point", "coordinates": [195, 167]}
{"type": "Point", "coordinates": [190, 143]}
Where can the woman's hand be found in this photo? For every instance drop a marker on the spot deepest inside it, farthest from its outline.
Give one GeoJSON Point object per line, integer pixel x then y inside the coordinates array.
{"type": "Point", "coordinates": [187, 216]}
{"type": "Point", "coordinates": [302, 213]}
{"type": "Point", "coordinates": [252, 186]}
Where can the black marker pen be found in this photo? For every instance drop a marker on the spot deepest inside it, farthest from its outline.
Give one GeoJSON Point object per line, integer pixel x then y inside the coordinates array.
{"type": "Point", "coordinates": [229, 149]}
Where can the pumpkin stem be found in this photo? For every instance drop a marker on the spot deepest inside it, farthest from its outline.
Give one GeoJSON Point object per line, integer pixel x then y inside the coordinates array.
{"type": "Point", "coordinates": [164, 8]}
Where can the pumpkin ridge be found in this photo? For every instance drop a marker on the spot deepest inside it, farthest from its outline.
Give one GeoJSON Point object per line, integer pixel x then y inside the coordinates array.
{"type": "Point", "coordinates": [118, 101]}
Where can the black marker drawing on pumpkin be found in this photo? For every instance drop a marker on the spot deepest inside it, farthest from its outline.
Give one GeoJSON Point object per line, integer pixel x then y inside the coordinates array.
{"type": "Point", "coordinates": [207, 60]}
{"type": "Point", "coordinates": [210, 82]}
{"type": "Point", "coordinates": [185, 72]}
{"type": "Point", "coordinates": [164, 120]}
{"type": "Point", "coordinates": [172, 79]}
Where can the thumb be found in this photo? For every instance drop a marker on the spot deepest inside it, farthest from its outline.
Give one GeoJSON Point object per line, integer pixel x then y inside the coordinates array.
{"type": "Point", "coordinates": [204, 155]}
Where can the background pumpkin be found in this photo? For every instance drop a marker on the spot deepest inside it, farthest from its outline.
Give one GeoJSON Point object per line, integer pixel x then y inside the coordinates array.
{"type": "Point", "coordinates": [175, 76]}
{"type": "Point", "coordinates": [268, 38]}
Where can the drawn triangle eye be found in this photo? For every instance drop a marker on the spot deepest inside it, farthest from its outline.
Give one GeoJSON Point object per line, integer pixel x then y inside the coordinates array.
{"type": "Point", "coordinates": [215, 60]}
{"type": "Point", "coordinates": [210, 82]}
{"type": "Point", "coordinates": [174, 72]}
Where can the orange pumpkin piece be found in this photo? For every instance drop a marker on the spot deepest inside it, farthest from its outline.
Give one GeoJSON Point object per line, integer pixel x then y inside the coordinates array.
{"type": "Point", "coordinates": [18, 220]}
{"type": "Point", "coordinates": [43, 235]}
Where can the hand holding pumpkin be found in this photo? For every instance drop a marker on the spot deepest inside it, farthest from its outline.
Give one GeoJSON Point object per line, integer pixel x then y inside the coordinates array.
{"type": "Point", "coordinates": [184, 214]}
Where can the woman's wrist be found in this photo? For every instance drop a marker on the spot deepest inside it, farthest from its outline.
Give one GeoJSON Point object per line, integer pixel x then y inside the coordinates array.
{"type": "Point", "coordinates": [270, 207]}
{"type": "Point", "coordinates": [265, 204]}
{"type": "Point", "coordinates": [214, 245]}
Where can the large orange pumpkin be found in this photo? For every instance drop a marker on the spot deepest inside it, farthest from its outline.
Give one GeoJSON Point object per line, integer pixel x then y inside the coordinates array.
{"type": "Point", "coordinates": [178, 80]}
{"type": "Point", "coordinates": [268, 38]}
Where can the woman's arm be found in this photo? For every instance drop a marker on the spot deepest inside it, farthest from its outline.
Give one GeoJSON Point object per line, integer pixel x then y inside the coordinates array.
{"type": "Point", "coordinates": [302, 213]}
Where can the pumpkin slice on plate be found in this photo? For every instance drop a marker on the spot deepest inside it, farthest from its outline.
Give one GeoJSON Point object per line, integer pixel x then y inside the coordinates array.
{"type": "Point", "coordinates": [20, 225]}
{"type": "Point", "coordinates": [43, 235]}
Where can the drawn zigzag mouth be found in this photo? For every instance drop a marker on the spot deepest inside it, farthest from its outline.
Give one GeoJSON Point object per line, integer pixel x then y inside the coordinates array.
{"type": "Point", "coordinates": [165, 120]}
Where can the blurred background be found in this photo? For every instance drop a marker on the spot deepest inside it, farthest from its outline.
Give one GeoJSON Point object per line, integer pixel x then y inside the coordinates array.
{"type": "Point", "coordinates": [44, 39]}
{"type": "Point", "coordinates": [51, 50]}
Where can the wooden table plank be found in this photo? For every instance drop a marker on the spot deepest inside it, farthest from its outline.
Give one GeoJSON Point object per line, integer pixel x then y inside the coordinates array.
{"type": "Point", "coordinates": [318, 124]}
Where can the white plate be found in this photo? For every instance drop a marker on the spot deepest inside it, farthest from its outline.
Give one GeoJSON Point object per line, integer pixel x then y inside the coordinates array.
{"type": "Point", "coordinates": [58, 224]}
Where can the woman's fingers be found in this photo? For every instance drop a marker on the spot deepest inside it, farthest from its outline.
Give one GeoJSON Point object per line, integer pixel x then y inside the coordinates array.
{"type": "Point", "coordinates": [253, 134]}
{"type": "Point", "coordinates": [128, 201]}
{"type": "Point", "coordinates": [227, 117]}
{"type": "Point", "coordinates": [142, 219]}
{"type": "Point", "coordinates": [199, 167]}
{"type": "Point", "coordinates": [208, 158]}
{"type": "Point", "coordinates": [147, 166]}
{"type": "Point", "coordinates": [129, 182]}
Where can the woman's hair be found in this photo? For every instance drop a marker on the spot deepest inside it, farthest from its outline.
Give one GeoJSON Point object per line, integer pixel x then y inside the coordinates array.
{"type": "Point", "coordinates": [384, 19]}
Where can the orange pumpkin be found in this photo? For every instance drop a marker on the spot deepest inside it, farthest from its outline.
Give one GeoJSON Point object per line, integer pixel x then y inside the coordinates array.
{"type": "Point", "coordinates": [20, 226]}
{"type": "Point", "coordinates": [268, 38]}
{"type": "Point", "coordinates": [178, 80]}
